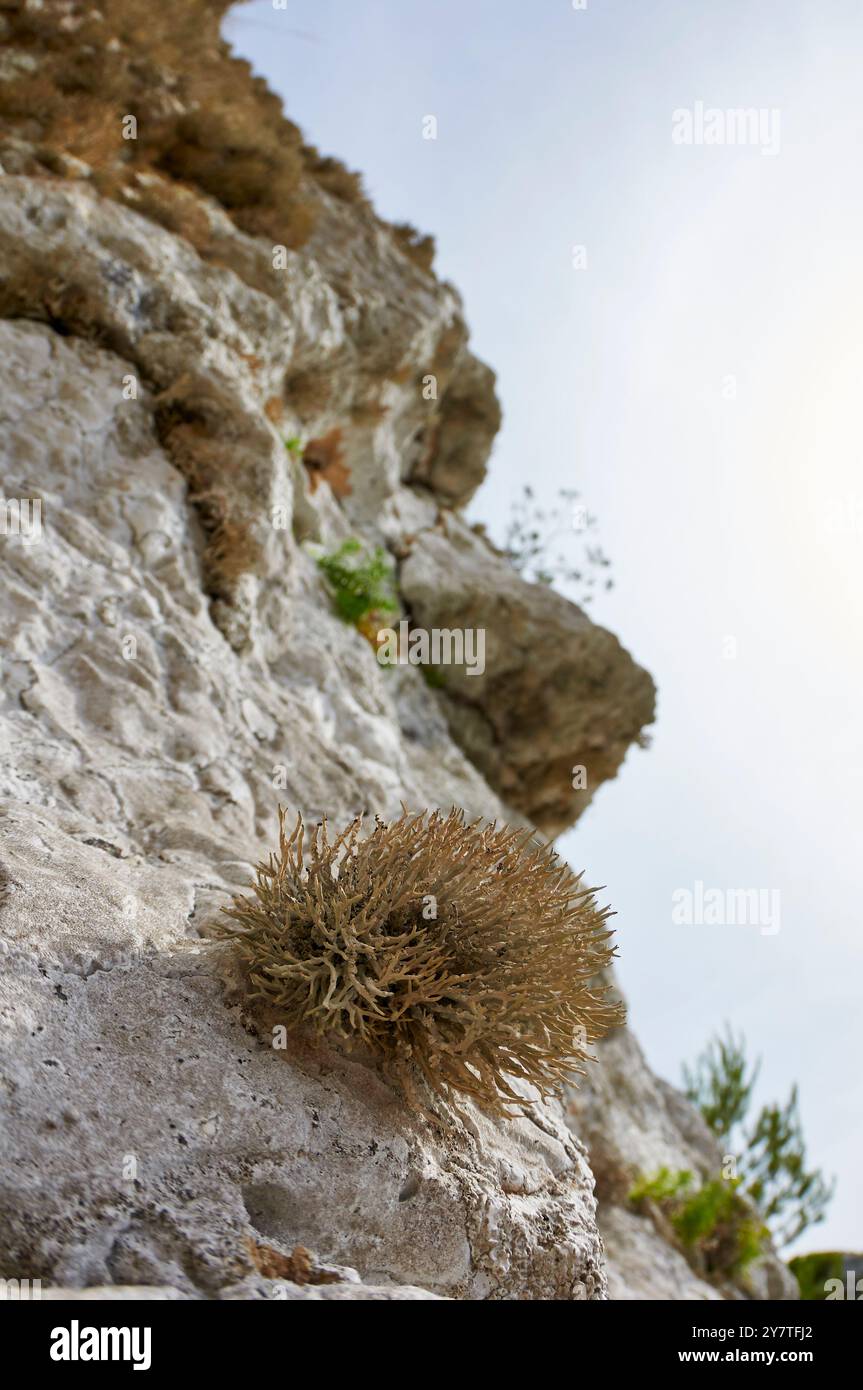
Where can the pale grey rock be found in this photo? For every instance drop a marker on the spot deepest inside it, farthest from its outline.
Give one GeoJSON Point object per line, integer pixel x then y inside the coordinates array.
{"type": "Point", "coordinates": [643, 1266]}
{"type": "Point", "coordinates": [217, 346]}
{"type": "Point", "coordinates": [286, 1292]}
{"type": "Point", "coordinates": [147, 1134]}
{"type": "Point", "coordinates": [184, 745]}
{"type": "Point", "coordinates": [150, 726]}
{"type": "Point", "coordinates": [631, 1127]}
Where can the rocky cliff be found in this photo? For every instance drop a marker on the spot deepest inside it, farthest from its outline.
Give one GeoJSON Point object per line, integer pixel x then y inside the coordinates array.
{"type": "Point", "coordinates": [184, 285]}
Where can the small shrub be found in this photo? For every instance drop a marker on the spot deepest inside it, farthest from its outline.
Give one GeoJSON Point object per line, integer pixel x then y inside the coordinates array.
{"type": "Point", "coordinates": [361, 581]}
{"type": "Point", "coordinates": [814, 1272]}
{"type": "Point", "coordinates": [232, 552]}
{"type": "Point", "coordinates": [333, 176]}
{"type": "Point", "coordinates": [461, 953]}
{"type": "Point", "coordinates": [32, 96]}
{"type": "Point", "coordinates": [718, 1229]}
{"type": "Point", "coordinates": [770, 1154]}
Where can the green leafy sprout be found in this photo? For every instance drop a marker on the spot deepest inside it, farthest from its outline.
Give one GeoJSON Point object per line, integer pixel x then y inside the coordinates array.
{"type": "Point", "coordinates": [361, 580]}
{"type": "Point", "coordinates": [294, 446]}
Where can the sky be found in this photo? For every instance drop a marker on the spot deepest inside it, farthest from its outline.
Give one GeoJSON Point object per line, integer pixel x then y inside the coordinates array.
{"type": "Point", "coordinates": [695, 372]}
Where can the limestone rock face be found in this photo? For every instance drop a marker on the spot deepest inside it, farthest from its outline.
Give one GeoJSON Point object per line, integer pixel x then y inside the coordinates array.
{"type": "Point", "coordinates": [171, 1144]}
{"type": "Point", "coordinates": [148, 1138]}
{"type": "Point", "coordinates": [172, 670]}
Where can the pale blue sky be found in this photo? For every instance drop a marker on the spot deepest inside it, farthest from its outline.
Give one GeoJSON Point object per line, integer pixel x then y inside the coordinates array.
{"type": "Point", "coordinates": [724, 517]}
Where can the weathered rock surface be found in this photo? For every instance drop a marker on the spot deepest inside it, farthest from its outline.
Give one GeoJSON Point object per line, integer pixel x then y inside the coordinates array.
{"type": "Point", "coordinates": [167, 1137]}
{"type": "Point", "coordinates": [172, 670]}
{"type": "Point", "coordinates": [147, 1136]}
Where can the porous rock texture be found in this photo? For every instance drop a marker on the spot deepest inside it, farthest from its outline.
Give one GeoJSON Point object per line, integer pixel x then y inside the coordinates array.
{"type": "Point", "coordinates": [172, 670]}
{"type": "Point", "coordinates": [148, 1136]}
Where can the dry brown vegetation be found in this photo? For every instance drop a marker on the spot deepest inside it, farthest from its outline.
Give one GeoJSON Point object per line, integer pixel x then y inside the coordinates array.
{"type": "Point", "coordinates": [204, 462]}
{"type": "Point", "coordinates": [459, 953]}
{"type": "Point", "coordinates": [332, 175]}
{"type": "Point", "coordinates": [174, 207]}
{"type": "Point", "coordinates": [324, 459]}
{"type": "Point", "coordinates": [300, 1267]}
{"type": "Point", "coordinates": [418, 247]}
{"type": "Point", "coordinates": [204, 120]}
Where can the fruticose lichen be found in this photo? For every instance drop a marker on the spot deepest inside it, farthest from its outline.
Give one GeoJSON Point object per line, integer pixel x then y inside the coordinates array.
{"type": "Point", "coordinates": [461, 953]}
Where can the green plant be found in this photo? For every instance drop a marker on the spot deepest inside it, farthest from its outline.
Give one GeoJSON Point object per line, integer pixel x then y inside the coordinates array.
{"type": "Point", "coordinates": [458, 952]}
{"type": "Point", "coordinates": [331, 174]}
{"type": "Point", "coordinates": [361, 581]}
{"type": "Point", "coordinates": [769, 1155]}
{"type": "Point", "coordinates": [662, 1186]}
{"type": "Point", "coordinates": [716, 1226]}
{"type": "Point", "coordinates": [719, 1086]}
{"type": "Point", "coordinates": [728, 1232]}
{"type": "Point", "coordinates": [294, 446]}
{"type": "Point", "coordinates": [531, 532]}
{"type": "Point", "coordinates": [813, 1272]}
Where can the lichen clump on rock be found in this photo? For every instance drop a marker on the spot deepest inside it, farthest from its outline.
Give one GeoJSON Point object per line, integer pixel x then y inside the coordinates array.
{"type": "Point", "coordinates": [459, 952]}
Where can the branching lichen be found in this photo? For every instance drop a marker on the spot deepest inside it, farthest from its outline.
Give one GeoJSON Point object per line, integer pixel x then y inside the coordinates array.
{"type": "Point", "coordinates": [459, 952]}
